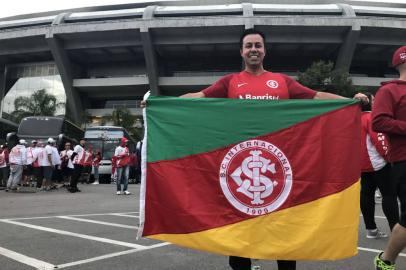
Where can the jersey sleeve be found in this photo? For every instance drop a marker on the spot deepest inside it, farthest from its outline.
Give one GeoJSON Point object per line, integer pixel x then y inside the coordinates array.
{"type": "Point", "coordinates": [77, 149]}
{"type": "Point", "coordinates": [298, 91]}
{"type": "Point", "coordinates": [383, 116]}
{"type": "Point", "coordinates": [219, 89]}
{"type": "Point", "coordinates": [48, 150]}
{"type": "Point", "coordinates": [377, 139]}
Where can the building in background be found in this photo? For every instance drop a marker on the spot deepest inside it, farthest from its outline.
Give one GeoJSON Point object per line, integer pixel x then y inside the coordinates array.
{"type": "Point", "coordinates": [100, 58]}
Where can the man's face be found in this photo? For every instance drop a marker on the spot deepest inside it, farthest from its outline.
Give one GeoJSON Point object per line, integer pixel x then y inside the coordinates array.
{"type": "Point", "coordinates": [253, 50]}
{"type": "Point", "coordinates": [82, 142]}
{"type": "Point", "coordinates": [67, 146]}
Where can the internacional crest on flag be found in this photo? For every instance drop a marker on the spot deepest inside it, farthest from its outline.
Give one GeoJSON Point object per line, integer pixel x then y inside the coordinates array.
{"type": "Point", "coordinates": [252, 178]}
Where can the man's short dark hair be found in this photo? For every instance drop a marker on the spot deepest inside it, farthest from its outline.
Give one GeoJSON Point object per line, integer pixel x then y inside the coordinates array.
{"type": "Point", "coordinates": [251, 31]}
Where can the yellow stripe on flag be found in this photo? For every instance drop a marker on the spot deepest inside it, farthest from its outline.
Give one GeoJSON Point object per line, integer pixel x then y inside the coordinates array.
{"type": "Point", "coordinates": [325, 229]}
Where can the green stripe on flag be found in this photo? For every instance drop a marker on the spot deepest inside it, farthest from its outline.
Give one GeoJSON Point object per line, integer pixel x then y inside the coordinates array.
{"type": "Point", "coordinates": [179, 127]}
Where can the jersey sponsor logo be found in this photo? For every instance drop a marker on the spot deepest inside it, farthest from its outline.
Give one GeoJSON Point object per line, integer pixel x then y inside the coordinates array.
{"type": "Point", "coordinates": [272, 84]}
{"type": "Point", "coordinates": [256, 177]}
{"type": "Point", "coordinates": [241, 84]}
{"type": "Point", "coordinates": [249, 96]}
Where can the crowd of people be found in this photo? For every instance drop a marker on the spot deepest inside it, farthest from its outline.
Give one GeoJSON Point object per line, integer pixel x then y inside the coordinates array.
{"type": "Point", "coordinates": [43, 167]}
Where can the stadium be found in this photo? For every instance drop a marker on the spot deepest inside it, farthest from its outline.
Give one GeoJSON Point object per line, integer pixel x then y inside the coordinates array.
{"type": "Point", "coordinates": [98, 58]}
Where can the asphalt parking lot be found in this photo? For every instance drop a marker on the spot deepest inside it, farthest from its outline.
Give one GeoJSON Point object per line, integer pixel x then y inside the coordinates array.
{"type": "Point", "coordinates": [96, 229]}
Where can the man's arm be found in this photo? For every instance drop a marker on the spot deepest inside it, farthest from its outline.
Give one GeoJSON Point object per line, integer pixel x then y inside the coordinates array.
{"type": "Point", "coordinates": [299, 91]}
{"type": "Point", "coordinates": [325, 95]}
{"type": "Point", "coordinates": [194, 95]}
{"type": "Point", "coordinates": [200, 94]}
{"type": "Point", "coordinates": [383, 118]}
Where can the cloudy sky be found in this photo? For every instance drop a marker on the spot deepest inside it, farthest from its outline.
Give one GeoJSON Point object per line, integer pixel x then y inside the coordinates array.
{"type": "Point", "coordinates": [18, 7]}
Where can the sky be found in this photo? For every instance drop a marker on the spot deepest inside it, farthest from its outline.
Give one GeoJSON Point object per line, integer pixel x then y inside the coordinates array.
{"type": "Point", "coordinates": [18, 7]}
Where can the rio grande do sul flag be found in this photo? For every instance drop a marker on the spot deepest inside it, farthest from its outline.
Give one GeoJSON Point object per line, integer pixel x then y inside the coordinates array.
{"type": "Point", "coordinates": [252, 178]}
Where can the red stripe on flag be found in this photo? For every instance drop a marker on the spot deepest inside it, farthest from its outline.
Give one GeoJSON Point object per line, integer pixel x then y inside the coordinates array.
{"type": "Point", "coordinates": [185, 196]}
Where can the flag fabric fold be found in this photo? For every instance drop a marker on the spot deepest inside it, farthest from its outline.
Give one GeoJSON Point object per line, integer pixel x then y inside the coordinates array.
{"type": "Point", "coordinates": [252, 178]}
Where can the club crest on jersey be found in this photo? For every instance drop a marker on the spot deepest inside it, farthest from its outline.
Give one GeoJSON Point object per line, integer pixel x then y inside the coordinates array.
{"type": "Point", "coordinates": [256, 177]}
{"type": "Point", "coordinates": [272, 84]}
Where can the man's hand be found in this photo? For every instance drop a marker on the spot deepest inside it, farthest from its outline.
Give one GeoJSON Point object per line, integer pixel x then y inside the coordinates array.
{"type": "Point", "coordinates": [200, 94]}
{"type": "Point", "coordinates": [362, 98]}
{"type": "Point", "coordinates": [143, 104]}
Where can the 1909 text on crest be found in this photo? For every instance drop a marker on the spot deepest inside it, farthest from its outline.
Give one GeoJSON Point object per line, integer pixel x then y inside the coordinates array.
{"type": "Point", "coordinates": [256, 177]}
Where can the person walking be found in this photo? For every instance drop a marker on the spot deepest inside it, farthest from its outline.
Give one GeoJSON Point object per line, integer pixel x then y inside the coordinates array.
{"type": "Point", "coordinates": [18, 159]}
{"type": "Point", "coordinates": [389, 117]}
{"type": "Point", "coordinates": [375, 174]}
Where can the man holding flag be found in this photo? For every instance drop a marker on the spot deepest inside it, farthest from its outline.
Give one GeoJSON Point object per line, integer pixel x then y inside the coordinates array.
{"type": "Point", "coordinates": [257, 83]}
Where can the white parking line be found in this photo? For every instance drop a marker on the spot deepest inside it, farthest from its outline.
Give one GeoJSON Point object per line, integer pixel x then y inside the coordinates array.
{"type": "Point", "coordinates": [107, 256]}
{"type": "Point", "coordinates": [37, 264]}
{"type": "Point", "coordinates": [82, 215]}
{"type": "Point", "coordinates": [124, 215]}
{"type": "Point", "coordinates": [84, 236]}
{"type": "Point", "coordinates": [99, 222]}
{"type": "Point", "coordinates": [377, 251]}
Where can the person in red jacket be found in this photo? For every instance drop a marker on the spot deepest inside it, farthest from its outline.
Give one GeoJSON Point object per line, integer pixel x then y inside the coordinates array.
{"type": "Point", "coordinates": [96, 164]}
{"type": "Point", "coordinates": [4, 166]}
{"type": "Point", "coordinates": [123, 159]}
{"type": "Point", "coordinates": [87, 165]}
{"type": "Point", "coordinates": [375, 174]}
{"type": "Point", "coordinates": [389, 117]}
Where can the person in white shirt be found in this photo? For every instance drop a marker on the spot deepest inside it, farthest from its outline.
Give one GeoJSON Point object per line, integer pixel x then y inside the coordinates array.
{"type": "Point", "coordinates": [78, 157]}
{"type": "Point", "coordinates": [56, 162]}
{"type": "Point", "coordinates": [47, 165]}
{"type": "Point", "coordinates": [66, 163]}
{"type": "Point", "coordinates": [18, 159]}
{"type": "Point", "coordinates": [37, 153]}
{"type": "Point", "coordinates": [28, 171]}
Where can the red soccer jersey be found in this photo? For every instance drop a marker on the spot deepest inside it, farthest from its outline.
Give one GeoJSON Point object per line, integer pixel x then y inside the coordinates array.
{"type": "Point", "coordinates": [268, 85]}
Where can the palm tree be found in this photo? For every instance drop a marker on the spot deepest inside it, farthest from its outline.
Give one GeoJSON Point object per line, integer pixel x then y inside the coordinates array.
{"type": "Point", "coordinates": [122, 117]}
{"type": "Point", "coordinates": [39, 103]}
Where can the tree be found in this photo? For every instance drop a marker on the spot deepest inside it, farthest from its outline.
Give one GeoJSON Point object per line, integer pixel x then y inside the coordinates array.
{"type": "Point", "coordinates": [322, 77]}
{"type": "Point", "coordinates": [40, 103]}
{"type": "Point", "coordinates": [122, 117]}
{"type": "Point", "coordinates": [86, 118]}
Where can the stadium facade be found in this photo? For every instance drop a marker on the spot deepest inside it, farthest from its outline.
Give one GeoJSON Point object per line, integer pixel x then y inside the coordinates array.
{"type": "Point", "coordinates": [97, 58]}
